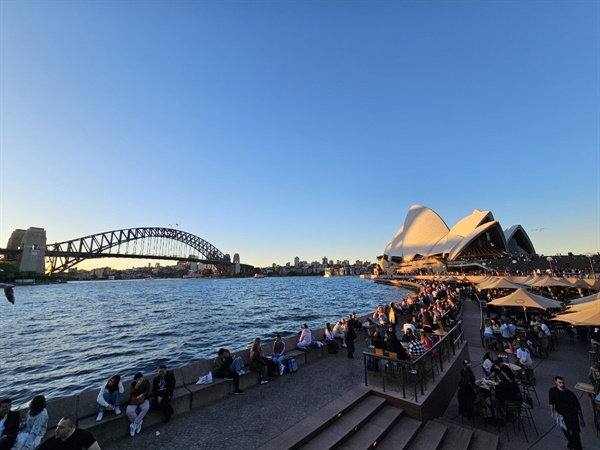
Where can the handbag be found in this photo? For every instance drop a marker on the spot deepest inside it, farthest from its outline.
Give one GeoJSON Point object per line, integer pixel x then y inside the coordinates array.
{"type": "Point", "coordinates": [136, 400]}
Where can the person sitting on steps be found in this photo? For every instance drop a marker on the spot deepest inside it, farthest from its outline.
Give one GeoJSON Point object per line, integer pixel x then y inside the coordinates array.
{"type": "Point", "coordinates": [305, 342]}
{"type": "Point", "coordinates": [228, 368]}
{"type": "Point", "coordinates": [258, 363]}
{"type": "Point", "coordinates": [162, 389]}
{"type": "Point", "coordinates": [279, 353]}
{"type": "Point", "coordinates": [109, 396]}
{"type": "Point", "coordinates": [138, 401]}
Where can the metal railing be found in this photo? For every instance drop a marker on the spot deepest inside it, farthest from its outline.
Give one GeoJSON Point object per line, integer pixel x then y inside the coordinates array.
{"type": "Point", "coordinates": [412, 375]}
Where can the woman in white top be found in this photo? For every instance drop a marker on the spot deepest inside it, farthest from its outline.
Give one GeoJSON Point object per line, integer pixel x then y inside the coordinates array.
{"type": "Point", "coordinates": [35, 428]}
{"type": "Point", "coordinates": [338, 331]}
{"type": "Point", "coordinates": [109, 396]}
{"type": "Point", "coordinates": [487, 364]}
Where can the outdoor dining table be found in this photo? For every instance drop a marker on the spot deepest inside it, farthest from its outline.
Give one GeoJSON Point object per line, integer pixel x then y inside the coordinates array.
{"type": "Point", "coordinates": [486, 385]}
{"type": "Point", "coordinates": [514, 367]}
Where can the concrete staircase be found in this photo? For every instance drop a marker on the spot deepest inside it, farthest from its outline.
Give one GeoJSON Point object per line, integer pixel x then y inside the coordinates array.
{"type": "Point", "coordinates": [361, 420]}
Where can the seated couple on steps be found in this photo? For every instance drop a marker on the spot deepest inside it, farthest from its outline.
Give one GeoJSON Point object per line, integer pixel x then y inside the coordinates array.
{"type": "Point", "coordinates": [229, 368]}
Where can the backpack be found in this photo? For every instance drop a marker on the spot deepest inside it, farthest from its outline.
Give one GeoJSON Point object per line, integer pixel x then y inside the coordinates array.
{"type": "Point", "coordinates": [292, 366]}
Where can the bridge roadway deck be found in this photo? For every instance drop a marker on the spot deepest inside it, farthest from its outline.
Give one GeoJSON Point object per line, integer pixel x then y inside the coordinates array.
{"type": "Point", "coordinates": [263, 412]}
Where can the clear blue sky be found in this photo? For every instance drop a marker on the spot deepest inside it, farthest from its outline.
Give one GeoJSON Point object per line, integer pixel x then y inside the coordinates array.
{"type": "Point", "coordinates": [283, 129]}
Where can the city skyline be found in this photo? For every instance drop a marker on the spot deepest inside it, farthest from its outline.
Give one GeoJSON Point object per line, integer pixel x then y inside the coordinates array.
{"type": "Point", "coordinates": [268, 127]}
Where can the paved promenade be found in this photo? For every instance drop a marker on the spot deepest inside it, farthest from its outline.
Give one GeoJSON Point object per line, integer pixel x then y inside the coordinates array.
{"type": "Point", "coordinates": [263, 412]}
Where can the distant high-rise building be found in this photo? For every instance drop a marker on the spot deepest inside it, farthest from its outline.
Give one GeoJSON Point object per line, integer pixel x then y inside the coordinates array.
{"type": "Point", "coordinates": [296, 261]}
{"type": "Point", "coordinates": [324, 260]}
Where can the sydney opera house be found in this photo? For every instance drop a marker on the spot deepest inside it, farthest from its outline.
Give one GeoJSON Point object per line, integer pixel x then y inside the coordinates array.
{"type": "Point", "coordinates": [424, 242]}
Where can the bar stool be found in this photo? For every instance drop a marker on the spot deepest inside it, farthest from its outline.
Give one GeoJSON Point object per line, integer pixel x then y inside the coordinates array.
{"type": "Point", "coordinates": [526, 413]}
{"type": "Point", "coordinates": [512, 413]}
{"type": "Point", "coordinates": [528, 382]}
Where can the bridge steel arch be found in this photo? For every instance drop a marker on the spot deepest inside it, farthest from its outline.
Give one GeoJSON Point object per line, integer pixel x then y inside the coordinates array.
{"type": "Point", "coordinates": [62, 256]}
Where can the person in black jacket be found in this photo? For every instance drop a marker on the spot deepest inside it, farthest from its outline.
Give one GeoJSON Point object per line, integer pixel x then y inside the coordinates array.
{"type": "Point", "coordinates": [162, 389]}
{"type": "Point", "coordinates": [11, 419]}
{"type": "Point", "coordinates": [225, 366]}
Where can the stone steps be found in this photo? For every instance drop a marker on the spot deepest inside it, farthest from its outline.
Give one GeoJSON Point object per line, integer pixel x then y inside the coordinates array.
{"type": "Point", "coordinates": [362, 420]}
{"type": "Point", "coordinates": [480, 440]}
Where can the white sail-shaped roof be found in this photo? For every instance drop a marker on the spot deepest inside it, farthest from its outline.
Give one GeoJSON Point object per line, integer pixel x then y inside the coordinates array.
{"type": "Point", "coordinates": [424, 235]}
{"type": "Point", "coordinates": [422, 229]}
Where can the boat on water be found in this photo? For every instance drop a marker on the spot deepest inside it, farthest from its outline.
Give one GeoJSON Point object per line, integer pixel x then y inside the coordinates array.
{"type": "Point", "coordinates": [258, 275]}
{"type": "Point", "coordinates": [327, 275]}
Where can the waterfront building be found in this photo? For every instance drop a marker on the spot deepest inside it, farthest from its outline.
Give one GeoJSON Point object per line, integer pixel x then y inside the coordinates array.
{"type": "Point", "coordinates": [425, 242]}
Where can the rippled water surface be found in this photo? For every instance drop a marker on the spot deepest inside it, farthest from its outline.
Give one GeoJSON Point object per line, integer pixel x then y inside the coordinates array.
{"type": "Point", "coordinates": [62, 339]}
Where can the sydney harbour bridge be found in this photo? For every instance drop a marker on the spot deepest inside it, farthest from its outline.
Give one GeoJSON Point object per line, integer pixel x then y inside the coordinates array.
{"type": "Point", "coordinates": [28, 249]}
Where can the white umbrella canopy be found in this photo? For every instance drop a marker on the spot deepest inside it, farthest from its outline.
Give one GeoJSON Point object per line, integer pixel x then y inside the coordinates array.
{"type": "Point", "coordinates": [579, 283]}
{"type": "Point", "coordinates": [550, 282]}
{"type": "Point", "coordinates": [479, 279]}
{"type": "Point", "coordinates": [587, 299]}
{"type": "Point", "coordinates": [593, 305]}
{"type": "Point", "coordinates": [525, 299]}
{"type": "Point", "coordinates": [499, 283]}
{"type": "Point", "coordinates": [586, 314]}
{"type": "Point", "coordinates": [532, 279]}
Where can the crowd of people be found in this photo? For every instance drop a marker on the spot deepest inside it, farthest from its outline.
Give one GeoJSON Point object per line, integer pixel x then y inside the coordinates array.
{"type": "Point", "coordinates": [405, 329]}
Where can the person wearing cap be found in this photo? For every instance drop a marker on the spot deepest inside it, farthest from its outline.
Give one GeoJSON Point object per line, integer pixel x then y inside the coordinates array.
{"type": "Point", "coordinates": [523, 357]}
{"type": "Point", "coordinates": [468, 372]}
{"type": "Point", "coordinates": [523, 352]}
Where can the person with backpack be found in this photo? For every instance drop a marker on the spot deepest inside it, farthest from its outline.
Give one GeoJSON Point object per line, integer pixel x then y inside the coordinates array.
{"type": "Point", "coordinates": [279, 353]}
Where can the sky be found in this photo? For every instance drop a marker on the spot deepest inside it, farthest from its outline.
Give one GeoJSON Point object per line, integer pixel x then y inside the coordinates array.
{"type": "Point", "coordinates": [277, 129]}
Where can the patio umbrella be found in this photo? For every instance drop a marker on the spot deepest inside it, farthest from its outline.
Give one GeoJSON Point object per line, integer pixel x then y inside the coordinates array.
{"type": "Point", "coordinates": [550, 282]}
{"type": "Point", "coordinates": [581, 284]}
{"type": "Point", "coordinates": [588, 314]}
{"type": "Point", "coordinates": [587, 299]}
{"type": "Point", "coordinates": [526, 300]}
{"type": "Point", "coordinates": [499, 283]}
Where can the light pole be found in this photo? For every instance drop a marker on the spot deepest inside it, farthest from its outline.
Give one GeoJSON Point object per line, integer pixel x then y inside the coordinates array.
{"type": "Point", "coordinates": [589, 255]}
{"type": "Point", "coordinates": [549, 259]}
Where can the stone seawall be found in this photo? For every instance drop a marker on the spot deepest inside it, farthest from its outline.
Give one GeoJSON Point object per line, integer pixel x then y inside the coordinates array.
{"type": "Point", "coordinates": [187, 395]}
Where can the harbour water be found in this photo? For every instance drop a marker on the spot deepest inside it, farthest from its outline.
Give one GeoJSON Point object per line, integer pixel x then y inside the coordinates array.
{"type": "Point", "coordinates": [59, 340]}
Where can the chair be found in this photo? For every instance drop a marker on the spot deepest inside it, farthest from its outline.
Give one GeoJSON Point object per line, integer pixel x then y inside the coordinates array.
{"type": "Point", "coordinates": [528, 382]}
{"type": "Point", "coordinates": [526, 413]}
{"type": "Point", "coordinates": [512, 413]}
{"type": "Point", "coordinates": [489, 344]}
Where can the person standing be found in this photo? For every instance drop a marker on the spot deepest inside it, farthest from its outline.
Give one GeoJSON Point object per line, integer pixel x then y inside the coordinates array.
{"type": "Point", "coordinates": [138, 400]}
{"type": "Point", "coordinates": [68, 436]}
{"type": "Point", "coordinates": [566, 409]}
{"type": "Point", "coordinates": [350, 336]}
{"type": "Point", "coordinates": [9, 424]}
{"type": "Point", "coordinates": [162, 388]}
